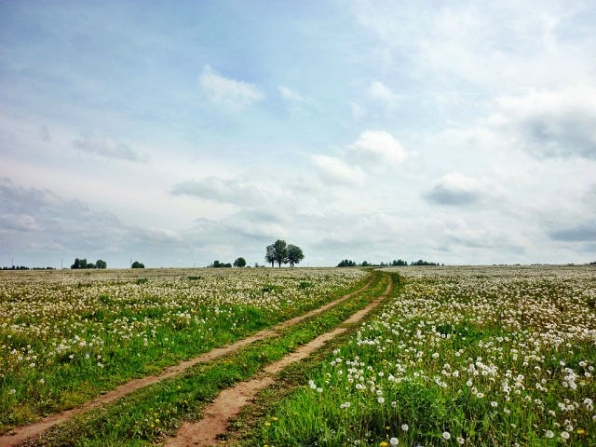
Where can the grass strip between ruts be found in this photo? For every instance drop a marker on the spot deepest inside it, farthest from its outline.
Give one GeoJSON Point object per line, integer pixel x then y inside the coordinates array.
{"type": "Point", "coordinates": [146, 416]}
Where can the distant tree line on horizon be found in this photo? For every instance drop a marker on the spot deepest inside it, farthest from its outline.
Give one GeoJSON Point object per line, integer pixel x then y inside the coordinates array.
{"type": "Point", "coordinates": [22, 267]}
{"type": "Point", "coordinates": [394, 263]}
{"type": "Point", "coordinates": [297, 256]}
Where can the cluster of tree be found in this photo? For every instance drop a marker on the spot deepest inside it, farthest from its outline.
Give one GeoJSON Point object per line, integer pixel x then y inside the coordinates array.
{"type": "Point", "coordinates": [347, 263]}
{"type": "Point", "coordinates": [83, 264]}
{"type": "Point", "coordinates": [240, 262]}
{"type": "Point", "coordinates": [281, 253]}
{"type": "Point", "coordinates": [219, 265]}
{"type": "Point", "coordinates": [421, 262]}
{"type": "Point", "coordinates": [137, 265]}
{"type": "Point", "coordinates": [394, 263]}
{"type": "Point", "coordinates": [350, 263]}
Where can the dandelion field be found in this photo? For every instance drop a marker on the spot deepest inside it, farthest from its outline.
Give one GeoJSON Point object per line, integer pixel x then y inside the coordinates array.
{"type": "Point", "coordinates": [461, 356]}
{"type": "Point", "coordinates": [65, 337]}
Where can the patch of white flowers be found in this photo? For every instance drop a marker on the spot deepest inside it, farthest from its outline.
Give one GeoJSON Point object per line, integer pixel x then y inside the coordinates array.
{"type": "Point", "coordinates": [507, 342]}
{"type": "Point", "coordinates": [76, 320]}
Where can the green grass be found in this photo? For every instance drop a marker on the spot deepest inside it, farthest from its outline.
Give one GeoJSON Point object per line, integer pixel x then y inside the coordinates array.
{"type": "Point", "coordinates": [143, 417]}
{"type": "Point", "coordinates": [462, 361]}
{"type": "Point", "coordinates": [62, 344]}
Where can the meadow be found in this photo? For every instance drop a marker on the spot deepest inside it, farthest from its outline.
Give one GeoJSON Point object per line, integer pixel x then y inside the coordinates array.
{"type": "Point", "coordinates": [67, 336]}
{"type": "Point", "coordinates": [474, 356]}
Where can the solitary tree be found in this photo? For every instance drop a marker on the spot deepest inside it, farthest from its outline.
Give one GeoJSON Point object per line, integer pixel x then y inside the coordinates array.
{"type": "Point", "coordinates": [138, 265]}
{"type": "Point", "coordinates": [240, 262]}
{"type": "Point", "coordinates": [295, 255]}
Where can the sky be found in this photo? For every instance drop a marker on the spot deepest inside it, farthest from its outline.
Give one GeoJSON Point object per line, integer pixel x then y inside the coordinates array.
{"type": "Point", "coordinates": [179, 133]}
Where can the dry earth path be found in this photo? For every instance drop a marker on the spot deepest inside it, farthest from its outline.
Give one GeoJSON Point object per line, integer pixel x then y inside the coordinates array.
{"type": "Point", "coordinates": [230, 401]}
{"type": "Point", "coordinates": [20, 434]}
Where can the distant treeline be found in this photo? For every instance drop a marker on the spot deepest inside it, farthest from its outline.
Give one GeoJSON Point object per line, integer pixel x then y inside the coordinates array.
{"type": "Point", "coordinates": [394, 263]}
{"type": "Point", "coordinates": [22, 267]}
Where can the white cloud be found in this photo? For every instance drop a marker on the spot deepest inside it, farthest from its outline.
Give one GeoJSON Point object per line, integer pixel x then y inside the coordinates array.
{"type": "Point", "coordinates": [547, 124]}
{"type": "Point", "coordinates": [531, 44]}
{"type": "Point", "coordinates": [358, 111]}
{"type": "Point", "coordinates": [378, 146]}
{"type": "Point", "coordinates": [229, 92]}
{"type": "Point", "coordinates": [551, 124]}
{"type": "Point", "coordinates": [289, 94]}
{"type": "Point", "coordinates": [380, 92]}
{"type": "Point", "coordinates": [336, 171]}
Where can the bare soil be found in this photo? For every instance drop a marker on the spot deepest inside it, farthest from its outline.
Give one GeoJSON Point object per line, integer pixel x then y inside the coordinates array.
{"type": "Point", "coordinates": [20, 434]}
{"type": "Point", "coordinates": [230, 401]}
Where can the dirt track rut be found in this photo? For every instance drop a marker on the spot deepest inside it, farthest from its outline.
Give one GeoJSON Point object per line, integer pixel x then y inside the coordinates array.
{"type": "Point", "coordinates": [230, 401]}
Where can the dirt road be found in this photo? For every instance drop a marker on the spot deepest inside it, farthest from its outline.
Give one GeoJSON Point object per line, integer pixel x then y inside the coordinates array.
{"type": "Point", "coordinates": [230, 401]}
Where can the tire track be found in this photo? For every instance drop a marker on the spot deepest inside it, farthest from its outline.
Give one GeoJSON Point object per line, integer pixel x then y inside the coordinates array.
{"type": "Point", "coordinates": [230, 401]}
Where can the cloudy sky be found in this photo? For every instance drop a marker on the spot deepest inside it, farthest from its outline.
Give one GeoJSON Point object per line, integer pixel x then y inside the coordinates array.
{"type": "Point", "coordinates": [176, 134]}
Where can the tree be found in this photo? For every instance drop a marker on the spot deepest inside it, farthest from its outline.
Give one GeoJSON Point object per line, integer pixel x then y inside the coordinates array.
{"type": "Point", "coordinates": [277, 252]}
{"type": "Point", "coordinates": [82, 264]}
{"type": "Point", "coordinates": [281, 252]}
{"type": "Point", "coordinates": [294, 255]}
{"type": "Point", "coordinates": [218, 265]}
{"type": "Point", "coordinates": [101, 264]}
{"type": "Point", "coordinates": [270, 255]}
{"type": "Point", "coordinates": [240, 262]}
{"type": "Point", "coordinates": [346, 263]}
{"type": "Point", "coordinates": [137, 265]}
{"type": "Point", "coordinates": [424, 263]}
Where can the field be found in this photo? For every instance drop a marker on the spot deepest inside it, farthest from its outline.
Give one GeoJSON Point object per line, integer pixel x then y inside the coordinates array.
{"type": "Point", "coordinates": [68, 336]}
{"type": "Point", "coordinates": [462, 356]}
{"type": "Point", "coordinates": [476, 356]}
